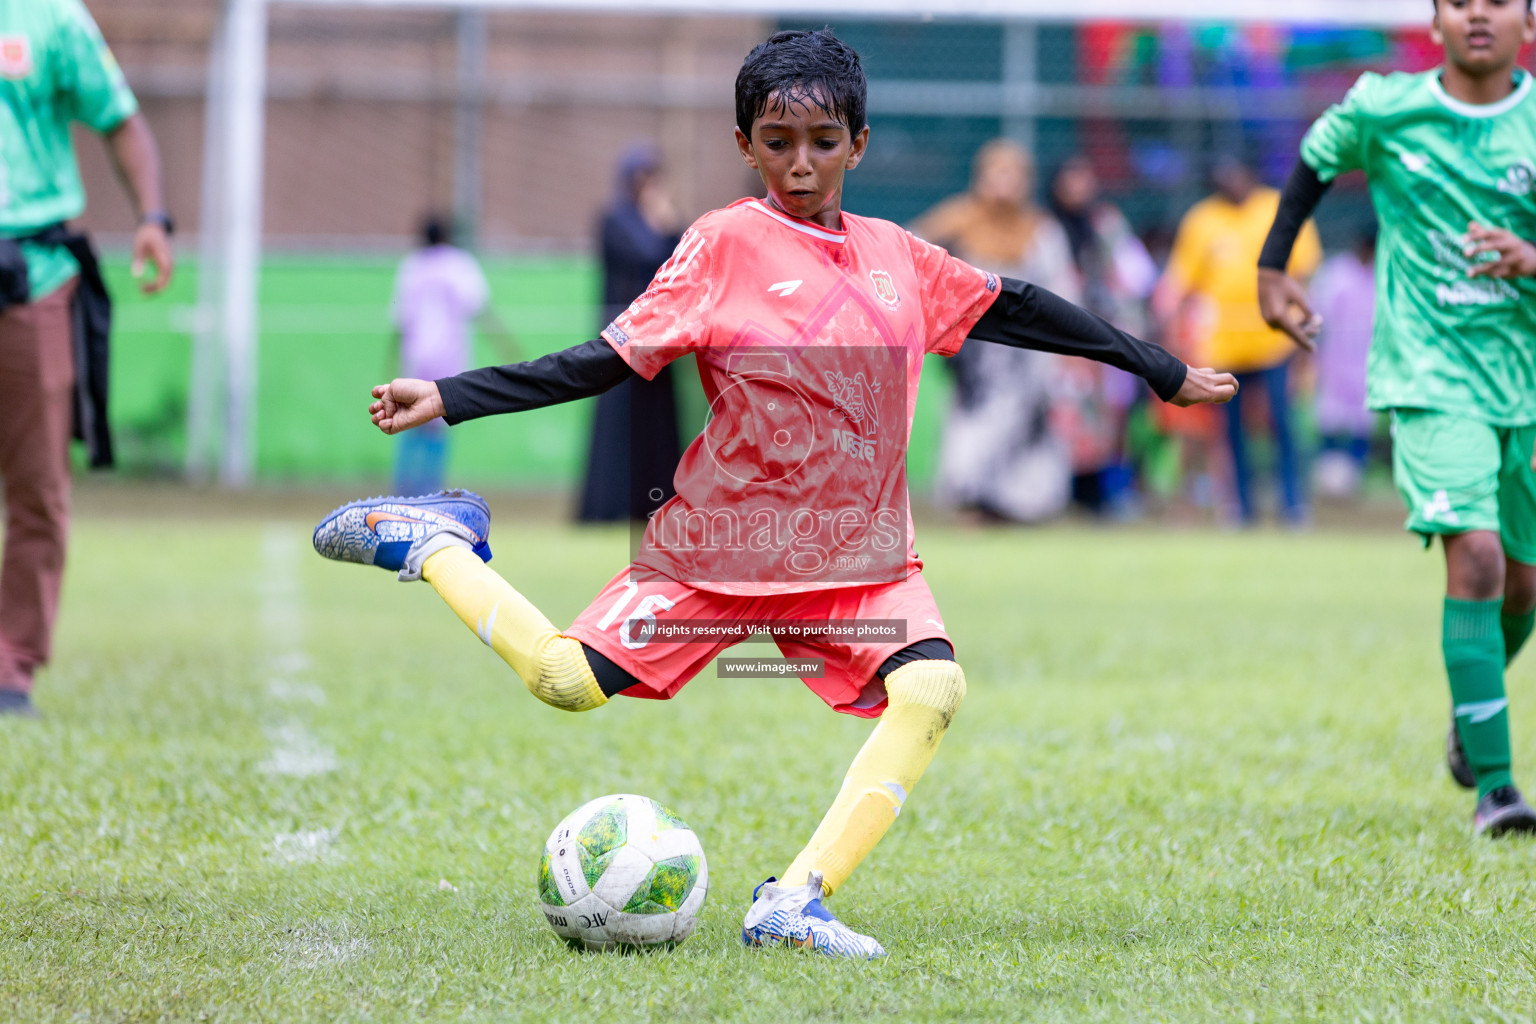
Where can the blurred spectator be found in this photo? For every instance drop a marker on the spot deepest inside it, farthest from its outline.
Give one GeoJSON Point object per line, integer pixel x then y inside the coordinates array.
{"type": "Point", "coordinates": [1117, 278]}
{"type": "Point", "coordinates": [635, 446]}
{"type": "Point", "coordinates": [999, 456]}
{"type": "Point", "coordinates": [55, 314]}
{"type": "Point", "coordinates": [1213, 264]}
{"type": "Point", "coordinates": [1344, 295]}
{"type": "Point", "coordinates": [439, 292]}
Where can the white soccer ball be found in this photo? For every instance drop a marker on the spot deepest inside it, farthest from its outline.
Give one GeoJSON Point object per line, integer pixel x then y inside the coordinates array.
{"type": "Point", "coordinates": [622, 871]}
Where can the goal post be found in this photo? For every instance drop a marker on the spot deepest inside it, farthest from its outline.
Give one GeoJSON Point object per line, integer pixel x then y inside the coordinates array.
{"type": "Point", "coordinates": [231, 245]}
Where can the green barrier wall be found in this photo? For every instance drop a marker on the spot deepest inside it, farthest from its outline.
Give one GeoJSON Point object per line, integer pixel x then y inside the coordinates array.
{"type": "Point", "coordinates": [325, 340]}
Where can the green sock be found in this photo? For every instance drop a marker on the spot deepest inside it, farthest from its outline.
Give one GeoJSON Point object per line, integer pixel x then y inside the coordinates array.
{"type": "Point", "coordinates": [1516, 629]}
{"type": "Point", "coordinates": [1474, 662]}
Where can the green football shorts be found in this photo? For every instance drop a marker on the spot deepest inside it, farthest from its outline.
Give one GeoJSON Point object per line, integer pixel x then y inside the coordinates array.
{"type": "Point", "coordinates": [1456, 475]}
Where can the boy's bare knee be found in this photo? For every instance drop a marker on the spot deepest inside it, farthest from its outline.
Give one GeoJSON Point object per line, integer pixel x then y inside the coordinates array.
{"type": "Point", "coordinates": [1474, 566]}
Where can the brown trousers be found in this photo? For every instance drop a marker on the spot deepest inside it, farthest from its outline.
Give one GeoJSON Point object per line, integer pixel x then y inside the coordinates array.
{"type": "Point", "coordinates": [37, 376]}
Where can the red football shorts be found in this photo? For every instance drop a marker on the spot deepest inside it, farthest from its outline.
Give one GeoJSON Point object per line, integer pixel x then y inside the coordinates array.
{"type": "Point", "coordinates": [609, 626]}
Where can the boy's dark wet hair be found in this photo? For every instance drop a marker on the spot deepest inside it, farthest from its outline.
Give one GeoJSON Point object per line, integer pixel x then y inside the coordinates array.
{"type": "Point", "coordinates": [799, 69]}
{"type": "Point", "coordinates": [436, 229]}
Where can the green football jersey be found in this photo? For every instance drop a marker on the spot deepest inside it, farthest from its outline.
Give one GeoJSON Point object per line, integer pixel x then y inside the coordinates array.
{"type": "Point", "coordinates": [54, 68]}
{"type": "Point", "coordinates": [1442, 340]}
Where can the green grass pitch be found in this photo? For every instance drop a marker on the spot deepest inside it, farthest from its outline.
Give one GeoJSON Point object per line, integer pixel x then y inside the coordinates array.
{"type": "Point", "coordinates": [1197, 778]}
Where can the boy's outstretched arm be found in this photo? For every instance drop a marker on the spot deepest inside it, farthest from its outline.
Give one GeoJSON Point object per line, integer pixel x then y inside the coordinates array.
{"type": "Point", "coordinates": [586, 370]}
{"type": "Point", "coordinates": [1026, 316]}
{"type": "Point", "coordinates": [1279, 292]}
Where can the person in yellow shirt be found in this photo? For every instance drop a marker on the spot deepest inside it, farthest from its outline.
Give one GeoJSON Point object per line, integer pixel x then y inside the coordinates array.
{"type": "Point", "coordinates": [1210, 268]}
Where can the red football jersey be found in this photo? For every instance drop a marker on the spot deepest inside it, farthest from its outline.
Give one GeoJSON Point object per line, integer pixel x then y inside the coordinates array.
{"type": "Point", "coordinates": [810, 345]}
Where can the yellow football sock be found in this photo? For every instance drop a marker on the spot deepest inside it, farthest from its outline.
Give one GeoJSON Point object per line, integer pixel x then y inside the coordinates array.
{"type": "Point", "coordinates": [923, 697]}
{"type": "Point", "coordinates": [553, 667]}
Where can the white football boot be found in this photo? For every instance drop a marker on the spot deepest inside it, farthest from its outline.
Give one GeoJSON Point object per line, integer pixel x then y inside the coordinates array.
{"type": "Point", "coordinates": [795, 916]}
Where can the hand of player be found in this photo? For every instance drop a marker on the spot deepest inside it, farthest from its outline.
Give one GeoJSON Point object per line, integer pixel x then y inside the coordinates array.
{"type": "Point", "coordinates": [1516, 256]}
{"type": "Point", "coordinates": [1283, 303]}
{"type": "Point", "coordinates": [404, 403]}
{"type": "Point", "coordinates": [152, 245]}
{"type": "Point", "coordinates": [1205, 387]}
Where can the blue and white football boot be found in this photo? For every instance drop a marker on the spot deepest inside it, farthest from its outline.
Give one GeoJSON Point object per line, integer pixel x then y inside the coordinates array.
{"type": "Point", "coordinates": [794, 916]}
{"type": "Point", "coordinates": [399, 534]}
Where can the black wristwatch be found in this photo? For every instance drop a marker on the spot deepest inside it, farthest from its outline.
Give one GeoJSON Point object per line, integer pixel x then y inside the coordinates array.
{"type": "Point", "coordinates": [165, 220]}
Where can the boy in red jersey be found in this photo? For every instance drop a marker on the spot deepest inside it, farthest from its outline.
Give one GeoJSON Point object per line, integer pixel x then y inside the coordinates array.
{"type": "Point", "coordinates": [809, 326]}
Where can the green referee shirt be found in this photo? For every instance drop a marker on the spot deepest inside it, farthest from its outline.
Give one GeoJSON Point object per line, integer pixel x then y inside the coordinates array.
{"type": "Point", "coordinates": [54, 68]}
{"type": "Point", "coordinates": [1443, 340]}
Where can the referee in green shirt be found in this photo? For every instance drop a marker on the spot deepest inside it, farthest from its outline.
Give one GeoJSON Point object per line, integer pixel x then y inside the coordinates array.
{"type": "Point", "coordinates": [54, 69]}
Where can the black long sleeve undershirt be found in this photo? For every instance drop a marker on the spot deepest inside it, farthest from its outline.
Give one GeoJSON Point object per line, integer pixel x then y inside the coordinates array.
{"type": "Point", "coordinates": [1303, 191]}
{"type": "Point", "coordinates": [1026, 316]}
{"type": "Point", "coordinates": [586, 370]}
{"type": "Point", "coordinates": [1023, 316]}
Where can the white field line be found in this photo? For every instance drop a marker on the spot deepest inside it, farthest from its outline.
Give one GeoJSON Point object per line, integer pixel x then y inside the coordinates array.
{"type": "Point", "coordinates": [306, 847]}
{"type": "Point", "coordinates": [288, 691]}
{"type": "Point", "coordinates": [296, 752]}
{"type": "Point", "coordinates": [287, 673]}
{"type": "Point", "coordinates": [323, 944]}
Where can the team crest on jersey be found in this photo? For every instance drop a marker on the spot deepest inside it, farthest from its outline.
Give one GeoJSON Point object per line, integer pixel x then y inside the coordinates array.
{"type": "Point", "coordinates": [15, 57]}
{"type": "Point", "coordinates": [885, 288]}
{"type": "Point", "coordinates": [1519, 180]}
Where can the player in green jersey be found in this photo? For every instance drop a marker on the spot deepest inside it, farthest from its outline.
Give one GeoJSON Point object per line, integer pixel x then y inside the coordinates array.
{"type": "Point", "coordinates": [1450, 156]}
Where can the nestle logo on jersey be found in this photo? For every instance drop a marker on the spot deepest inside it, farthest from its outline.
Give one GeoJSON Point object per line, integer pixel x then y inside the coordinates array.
{"type": "Point", "coordinates": [849, 443]}
{"type": "Point", "coordinates": [855, 398]}
{"type": "Point", "coordinates": [1481, 292]}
